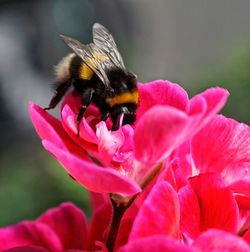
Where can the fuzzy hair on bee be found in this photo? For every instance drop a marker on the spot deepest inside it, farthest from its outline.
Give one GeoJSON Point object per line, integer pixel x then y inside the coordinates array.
{"type": "Point", "coordinates": [62, 69]}
{"type": "Point", "coordinates": [97, 73]}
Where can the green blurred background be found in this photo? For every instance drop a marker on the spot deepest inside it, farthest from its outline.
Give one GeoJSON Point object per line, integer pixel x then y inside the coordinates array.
{"type": "Point", "coordinates": [196, 43]}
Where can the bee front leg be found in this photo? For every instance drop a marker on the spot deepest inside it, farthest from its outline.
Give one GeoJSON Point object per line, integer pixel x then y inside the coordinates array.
{"type": "Point", "coordinates": [60, 92]}
{"type": "Point", "coordinates": [86, 99]}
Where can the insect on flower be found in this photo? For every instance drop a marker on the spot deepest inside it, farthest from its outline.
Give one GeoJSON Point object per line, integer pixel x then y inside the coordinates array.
{"type": "Point", "coordinates": [97, 73]}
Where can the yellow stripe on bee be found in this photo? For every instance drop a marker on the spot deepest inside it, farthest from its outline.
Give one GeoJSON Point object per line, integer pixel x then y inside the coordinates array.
{"type": "Point", "coordinates": [85, 72]}
{"type": "Point", "coordinates": [98, 58]}
{"type": "Point", "coordinates": [126, 97]}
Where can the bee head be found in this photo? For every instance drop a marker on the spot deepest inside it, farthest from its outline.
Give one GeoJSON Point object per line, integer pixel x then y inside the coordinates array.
{"type": "Point", "coordinates": [131, 81]}
{"type": "Point", "coordinates": [129, 116]}
{"type": "Point", "coordinates": [122, 81]}
{"type": "Point", "coordinates": [125, 111]}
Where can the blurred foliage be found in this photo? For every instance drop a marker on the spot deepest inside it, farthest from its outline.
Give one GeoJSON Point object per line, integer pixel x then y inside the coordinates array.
{"type": "Point", "coordinates": [29, 187]}
{"type": "Point", "coordinates": [234, 75]}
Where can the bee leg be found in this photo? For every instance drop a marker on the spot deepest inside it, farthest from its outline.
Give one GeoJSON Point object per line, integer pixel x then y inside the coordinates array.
{"type": "Point", "coordinates": [116, 120]}
{"type": "Point", "coordinates": [117, 116]}
{"type": "Point", "coordinates": [104, 115]}
{"type": "Point", "coordinates": [86, 99]}
{"type": "Point", "coordinates": [60, 92]}
{"type": "Point", "coordinates": [116, 123]}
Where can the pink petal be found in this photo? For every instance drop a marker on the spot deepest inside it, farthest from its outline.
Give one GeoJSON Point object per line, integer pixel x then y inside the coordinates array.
{"type": "Point", "coordinates": [155, 243]}
{"type": "Point", "coordinates": [159, 214]}
{"type": "Point", "coordinates": [92, 176]}
{"type": "Point", "coordinates": [109, 142]}
{"type": "Point", "coordinates": [218, 207]}
{"type": "Point", "coordinates": [87, 135]}
{"type": "Point", "coordinates": [50, 129]}
{"type": "Point", "coordinates": [92, 115]}
{"type": "Point", "coordinates": [128, 144]}
{"type": "Point", "coordinates": [98, 226]}
{"type": "Point", "coordinates": [47, 126]}
{"type": "Point", "coordinates": [73, 101]}
{"type": "Point", "coordinates": [27, 249]}
{"type": "Point", "coordinates": [246, 236]}
{"type": "Point", "coordinates": [130, 214]}
{"type": "Point", "coordinates": [124, 153]}
{"type": "Point", "coordinates": [198, 105]}
{"type": "Point", "coordinates": [190, 212]}
{"type": "Point", "coordinates": [28, 233]}
{"type": "Point", "coordinates": [207, 203]}
{"type": "Point", "coordinates": [158, 132]}
{"type": "Point", "coordinates": [100, 247]}
{"type": "Point", "coordinates": [168, 175]}
{"type": "Point", "coordinates": [124, 231]}
{"type": "Point", "coordinates": [182, 164]}
{"type": "Point", "coordinates": [198, 108]}
{"type": "Point", "coordinates": [97, 200]}
{"type": "Point", "coordinates": [242, 200]}
{"type": "Point", "coordinates": [69, 223]}
{"type": "Point", "coordinates": [215, 100]}
{"type": "Point", "coordinates": [223, 146]}
{"type": "Point", "coordinates": [241, 190]}
{"type": "Point", "coordinates": [161, 93]}
{"type": "Point", "coordinates": [220, 241]}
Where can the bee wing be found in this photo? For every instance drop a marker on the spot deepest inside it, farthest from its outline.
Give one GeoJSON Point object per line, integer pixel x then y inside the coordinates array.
{"type": "Point", "coordinates": [105, 41]}
{"type": "Point", "coordinates": [87, 54]}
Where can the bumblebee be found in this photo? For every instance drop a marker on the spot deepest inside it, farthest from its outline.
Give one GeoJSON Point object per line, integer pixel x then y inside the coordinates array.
{"type": "Point", "coordinates": [98, 75]}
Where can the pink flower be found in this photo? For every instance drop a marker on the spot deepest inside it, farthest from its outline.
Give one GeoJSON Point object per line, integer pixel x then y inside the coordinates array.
{"type": "Point", "coordinates": [210, 241]}
{"type": "Point", "coordinates": [221, 147]}
{"type": "Point", "coordinates": [206, 205]}
{"type": "Point", "coordinates": [227, 152]}
{"type": "Point", "coordinates": [155, 223]}
{"type": "Point", "coordinates": [200, 212]}
{"type": "Point", "coordinates": [58, 229]}
{"type": "Point", "coordinates": [125, 158]}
